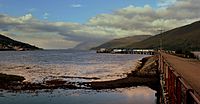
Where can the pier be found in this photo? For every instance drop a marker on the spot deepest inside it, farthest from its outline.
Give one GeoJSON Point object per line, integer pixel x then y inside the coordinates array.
{"type": "Point", "coordinates": [179, 77]}
{"type": "Point", "coordinates": [179, 80]}
{"type": "Point", "coordinates": [126, 51]}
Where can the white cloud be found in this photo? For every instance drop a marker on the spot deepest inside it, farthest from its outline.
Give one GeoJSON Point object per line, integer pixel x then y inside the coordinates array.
{"type": "Point", "coordinates": [147, 19]}
{"type": "Point", "coordinates": [47, 40]}
{"type": "Point", "coordinates": [5, 19]}
{"type": "Point", "coordinates": [76, 5]}
{"type": "Point", "coordinates": [146, 10]}
{"type": "Point", "coordinates": [165, 3]}
{"type": "Point", "coordinates": [26, 17]}
{"type": "Point", "coordinates": [31, 10]}
{"type": "Point", "coordinates": [46, 15]}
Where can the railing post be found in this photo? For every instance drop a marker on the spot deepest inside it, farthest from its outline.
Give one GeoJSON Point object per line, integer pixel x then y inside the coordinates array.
{"type": "Point", "coordinates": [161, 62]}
{"type": "Point", "coordinates": [189, 99]}
{"type": "Point", "coordinates": [172, 87]}
{"type": "Point", "coordinates": [165, 74]}
{"type": "Point", "coordinates": [162, 65]}
{"type": "Point", "coordinates": [169, 79]}
{"type": "Point", "coordinates": [178, 90]}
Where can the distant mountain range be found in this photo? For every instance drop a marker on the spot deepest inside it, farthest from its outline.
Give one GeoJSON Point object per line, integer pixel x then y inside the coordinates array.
{"type": "Point", "coordinates": [87, 45]}
{"type": "Point", "coordinates": [183, 38]}
{"type": "Point", "coordinates": [123, 42]}
{"type": "Point", "coordinates": [7, 43]}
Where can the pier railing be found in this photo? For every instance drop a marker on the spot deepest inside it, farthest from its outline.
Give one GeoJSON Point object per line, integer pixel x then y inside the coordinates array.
{"type": "Point", "coordinates": [174, 89]}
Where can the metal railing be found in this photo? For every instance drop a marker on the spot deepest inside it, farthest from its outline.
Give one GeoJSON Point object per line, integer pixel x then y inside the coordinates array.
{"type": "Point", "coordinates": [174, 88]}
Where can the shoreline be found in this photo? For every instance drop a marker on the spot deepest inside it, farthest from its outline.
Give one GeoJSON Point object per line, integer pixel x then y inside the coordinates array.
{"type": "Point", "coordinates": [145, 74]}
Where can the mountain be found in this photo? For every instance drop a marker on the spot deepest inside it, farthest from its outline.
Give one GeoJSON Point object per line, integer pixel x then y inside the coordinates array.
{"type": "Point", "coordinates": [123, 42]}
{"type": "Point", "coordinates": [181, 38]}
{"type": "Point", "coordinates": [87, 45]}
{"type": "Point", "coordinates": [7, 43]}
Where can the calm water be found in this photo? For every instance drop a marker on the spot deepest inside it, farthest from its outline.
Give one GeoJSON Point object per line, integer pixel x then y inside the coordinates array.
{"type": "Point", "coordinates": [37, 66]}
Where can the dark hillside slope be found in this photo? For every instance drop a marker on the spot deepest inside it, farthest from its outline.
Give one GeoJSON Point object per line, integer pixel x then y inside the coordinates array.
{"type": "Point", "coordinates": [7, 43]}
{"type": "Point", "coordinates": [185, 37]}
{"type": "Point", "coordinates": [123, 42]}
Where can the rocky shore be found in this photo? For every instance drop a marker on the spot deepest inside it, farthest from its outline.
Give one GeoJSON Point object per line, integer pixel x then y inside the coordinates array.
{"type": "Point", "coordinates": [145, 74]}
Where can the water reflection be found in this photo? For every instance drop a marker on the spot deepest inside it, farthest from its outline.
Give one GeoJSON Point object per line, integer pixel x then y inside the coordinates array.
{"type": "Point", "coordinates": [134, 95]}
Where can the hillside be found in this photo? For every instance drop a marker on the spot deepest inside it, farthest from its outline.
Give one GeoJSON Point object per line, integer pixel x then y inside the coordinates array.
{"type": "Point", "coordinates": [87, 45]}
{"type": "Point", "coordinates": [185, 37]}
{"type": "Point", "coordinates": [7, 43]}
{"type": "Point", "coordinates": [123, 42]}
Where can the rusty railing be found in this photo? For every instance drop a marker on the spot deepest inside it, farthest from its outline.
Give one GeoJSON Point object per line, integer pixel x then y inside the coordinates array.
{"type": "Point", "coordinates": [174, 88]}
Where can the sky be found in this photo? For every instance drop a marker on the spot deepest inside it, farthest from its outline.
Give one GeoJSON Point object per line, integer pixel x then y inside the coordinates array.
{"type": "Point", "coordinates": [66, 24]}
{"type": "Point", "coordinates": [66, 10]}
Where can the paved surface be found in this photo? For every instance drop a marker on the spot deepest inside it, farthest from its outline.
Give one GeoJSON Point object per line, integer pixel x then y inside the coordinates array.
{"type": "Point", "coordinates": [189, 69]}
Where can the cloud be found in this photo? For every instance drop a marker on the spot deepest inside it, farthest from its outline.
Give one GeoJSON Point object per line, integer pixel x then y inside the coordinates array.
{"type": "Point", "coordinates": [128, 21]}
{"type": "Point", "coordinates": [147, 19]}
{"type": "Point", "coordinates": [76, 5]}
{"type": "Point", "coordinates": [36, 32]}
{"type": "Point", "coordinates": [165, 3]}
{"type": "Point", "coordinates": [46, 15]}
{"type": "Point", "coordinates": [26, 17]}
{"type": "Point", "coordinates": [31, 10]}
{"type": "Point", "coordinates": [51, 34]}
{"type": "Point", "coordinates": [5, 19]}
{"type": "Point", "coordinates": [47, 40]}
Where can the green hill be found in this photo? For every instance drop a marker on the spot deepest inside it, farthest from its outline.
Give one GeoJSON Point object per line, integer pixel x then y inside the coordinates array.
{"type": "Point", "coordinates": [123, 42]}
{"type": "Point", "coordinates": [7, 43]}
{"type": "Point", "coordinates": [182, 38]}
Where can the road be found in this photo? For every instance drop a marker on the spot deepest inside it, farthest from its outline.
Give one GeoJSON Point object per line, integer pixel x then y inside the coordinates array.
{"type": "Point", "coordinates": [189, 69]}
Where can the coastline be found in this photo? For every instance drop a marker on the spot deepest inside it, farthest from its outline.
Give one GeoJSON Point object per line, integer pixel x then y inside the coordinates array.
{"type": "Point", "coordinates": [145, 74]}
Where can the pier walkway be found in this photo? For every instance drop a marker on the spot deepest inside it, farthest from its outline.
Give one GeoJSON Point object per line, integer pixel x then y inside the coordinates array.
{"type": "Point", "coordinates": [181, 79]}
{"type": "Point", "coordinates": [188, 69]}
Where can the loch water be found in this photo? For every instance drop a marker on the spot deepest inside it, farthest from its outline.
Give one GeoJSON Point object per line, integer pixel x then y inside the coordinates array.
{"type": "Point", "coordinates": [37, 66]}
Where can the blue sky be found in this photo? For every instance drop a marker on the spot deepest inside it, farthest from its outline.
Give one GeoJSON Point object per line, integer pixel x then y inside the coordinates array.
{"type": "Point", "coordinates": [67, 10]}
